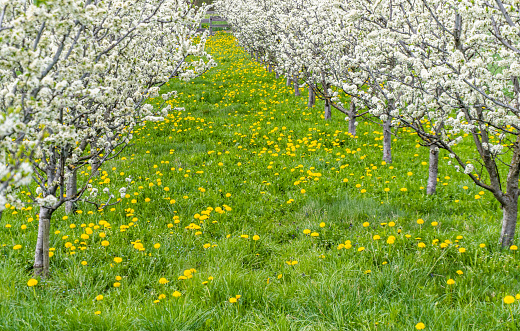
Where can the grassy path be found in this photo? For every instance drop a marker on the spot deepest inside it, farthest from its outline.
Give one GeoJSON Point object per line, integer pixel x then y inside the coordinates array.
{"type": "Point", "coordinates": [249, 211]}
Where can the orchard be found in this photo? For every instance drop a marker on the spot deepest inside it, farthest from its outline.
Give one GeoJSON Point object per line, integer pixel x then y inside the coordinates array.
{"type": "Point", "coordinates": [344, 165]}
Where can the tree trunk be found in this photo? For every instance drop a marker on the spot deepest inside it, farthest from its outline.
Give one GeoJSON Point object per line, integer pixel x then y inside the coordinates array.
{"type": "Point", "coordinates": [288, 81]}
{"type": "Point", "coordinates": [41, 256]}
{"type": "Point", "coordinates": [312, 98]}
{"type": "Point", "coordinates": [296, 86]}
{"type": "Point", "coordinates": [510, 216]}
{"type": "Point", "coordinates": [509, 199]}
{"type": "Point", "coordinates": [277, 76]}
{"type": "Point", "coordinates": [269, 68]}
{"type": "Point", "coordinates": [352, 118]}
{"type": "Point", "coordinates": [387, 140]}
{"type": "Point", "coordinates": [72, 190]}
{"type": "Point", "coordinates": [96, 164]}
{"type": "Point", "coordinates": [433, 170]}
{"type": "Point", "coordinates": [328, 110]}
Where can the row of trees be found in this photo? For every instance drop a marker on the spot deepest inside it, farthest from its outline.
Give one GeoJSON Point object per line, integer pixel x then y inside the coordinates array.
{"type": "Point", "coordinates": [75, 77]}
{"type": "Point", "coordinates": [447, 69]}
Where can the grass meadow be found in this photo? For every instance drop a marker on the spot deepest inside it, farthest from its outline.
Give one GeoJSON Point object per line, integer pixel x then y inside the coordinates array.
{"type": "Point", "coordinates": [249, 211]}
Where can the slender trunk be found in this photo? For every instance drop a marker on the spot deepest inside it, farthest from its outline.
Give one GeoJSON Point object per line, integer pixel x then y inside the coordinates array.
{"type": "Point", "coordinates": [277, 75]}
{"type": "Point", "coordinates": [312, 98]}
{"type": "Point", "coordinates": [352, 118]}
{"type": "Point", "coordinates": [288, 81]}
{"type": "Point", "coordinates": [95, 162]}
{"type": "Point", "coordinates": [72, 190]}
{"type": "Point", "coordinates": [510, 216]}
{"type": "Point", "coordinates": [41, 255]}
{"type": "Point", "coordinates": [296, 86]}
{"type": "Point", "coordinates": [509, 201]}
{"type": "Point", "coordinates": [387, 140]}
{"type": "Point", "coordinates": [433, 171]}
{"type": "Point", "coordinates": [328, 110]}
{"type": "Point", "coordinates": [269, 68]}
{"type": "Point", "coordinates": [328, 106]}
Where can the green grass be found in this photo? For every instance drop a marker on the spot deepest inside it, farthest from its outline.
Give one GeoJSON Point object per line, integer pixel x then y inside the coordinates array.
{"type": "Point", "coordinates": [238, 113]}
{"type": "Point", "coordinates": [206, 26]}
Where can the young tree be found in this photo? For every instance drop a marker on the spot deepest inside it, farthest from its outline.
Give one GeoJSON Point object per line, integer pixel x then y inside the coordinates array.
{"type": "Point", "coordinates": [84, 82]}
{"type": "Point", "coordinates": [461, 75]}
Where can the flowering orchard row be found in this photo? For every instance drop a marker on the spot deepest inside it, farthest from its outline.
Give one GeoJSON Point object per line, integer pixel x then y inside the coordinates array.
{"type": "Point", "coordinates": [248, 211]}
{"type": "Point", "coordinates": [74, 80]}
{"type": "Point", "coordinates": [446, 69]}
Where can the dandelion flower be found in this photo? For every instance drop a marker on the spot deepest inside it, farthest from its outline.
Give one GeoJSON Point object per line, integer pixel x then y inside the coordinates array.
{"type": "Point", "coordinates": [163, 281]}
{"type": "Point", "coordinates": [509, 299]}
{"type": "Point", "coordinates": [32, 282]}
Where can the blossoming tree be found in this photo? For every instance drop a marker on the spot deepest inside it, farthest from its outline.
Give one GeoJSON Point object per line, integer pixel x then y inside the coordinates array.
{"type": "Point", "coordinates": [444, 68]}
{"type": "Point", "coordinates": [84, 83]}
{"type": "Point", "coordinates": [458, 87]}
